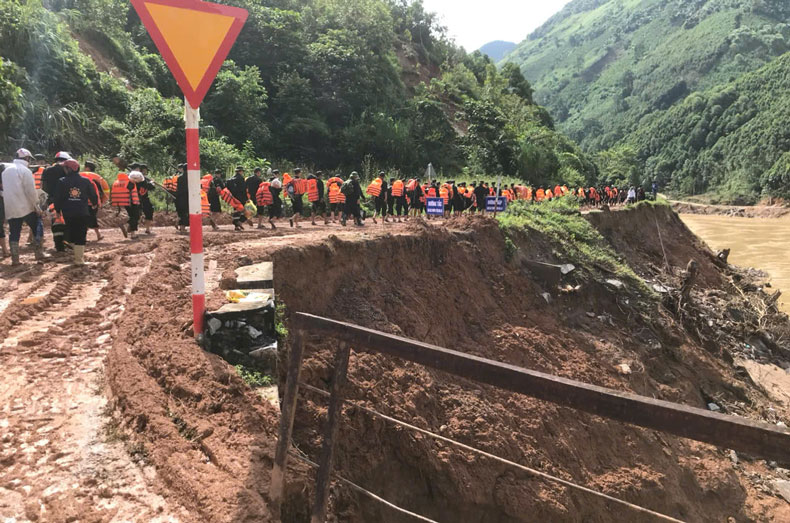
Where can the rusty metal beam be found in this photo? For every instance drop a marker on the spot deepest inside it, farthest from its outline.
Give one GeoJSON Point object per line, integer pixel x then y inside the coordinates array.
{"type": "Point", "coordinates": [757, 439]}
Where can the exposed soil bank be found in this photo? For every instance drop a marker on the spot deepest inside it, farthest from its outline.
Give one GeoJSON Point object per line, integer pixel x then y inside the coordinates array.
{"type": "Point", "coordinates": [456, 286]}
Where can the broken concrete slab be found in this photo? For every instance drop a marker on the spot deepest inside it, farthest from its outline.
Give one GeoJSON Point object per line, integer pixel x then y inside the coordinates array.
{"type": "Point", "coordinates": [549, 273]}
{"type": "Point", "coordinates": [616, 284]}
{"type": "Point", "coordinates": [782, 488]}
{"type": "Point", "coordinates": [258, 276]}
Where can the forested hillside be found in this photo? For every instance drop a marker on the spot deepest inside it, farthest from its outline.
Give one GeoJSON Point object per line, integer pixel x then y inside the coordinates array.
{"type": "Point", "coordinates": [497, 49]}
{"type": "Point", "coordinates": [332, 84]}
{"type": "Point", "coordinates": [618, 74]}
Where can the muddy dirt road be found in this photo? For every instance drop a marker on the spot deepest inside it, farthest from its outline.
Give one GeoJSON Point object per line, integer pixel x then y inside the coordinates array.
{"type": "Point", "coordinates": [62, 456]}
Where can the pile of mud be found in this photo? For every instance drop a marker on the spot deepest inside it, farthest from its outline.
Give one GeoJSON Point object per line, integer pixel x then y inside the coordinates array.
{"type": "Point", "coordinates": [455, 286]}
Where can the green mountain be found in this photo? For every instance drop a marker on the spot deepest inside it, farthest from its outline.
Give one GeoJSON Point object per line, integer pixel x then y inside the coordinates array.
{"type": "Point", "coordinates": [497, 49]}
{"type": "Point", "coordinates": [338, 85]}
{"type": "Point", "coordinates": [609, 70]}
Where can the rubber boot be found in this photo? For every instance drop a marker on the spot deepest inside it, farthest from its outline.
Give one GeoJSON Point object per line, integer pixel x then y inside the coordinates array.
{"type": "Point", "coordinates": [14, 248]}
{"type": "Point", "coordinates": [38, 250]}
{"type": "Point", "coordinates": [79, 255]}
{"type": "Point", "coordinates": [3, 247]}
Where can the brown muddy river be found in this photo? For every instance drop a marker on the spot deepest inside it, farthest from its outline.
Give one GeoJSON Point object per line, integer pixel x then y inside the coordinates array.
{"type": "Point", "coordinates": [763, 243]}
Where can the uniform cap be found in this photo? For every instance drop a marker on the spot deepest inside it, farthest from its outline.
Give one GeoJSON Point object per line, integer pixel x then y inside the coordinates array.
{"type": "Point", "coordinates": [23, 154]}
{"type": "Point", "coordinates": [63, 155]}
{"type": "Point", "coordinates": [239, 168]}
{"type": "Point", "coordinates": [72, 165]}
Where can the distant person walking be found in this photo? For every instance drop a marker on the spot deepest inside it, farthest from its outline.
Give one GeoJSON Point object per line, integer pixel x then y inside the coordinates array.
{"type": "Point", "coordinates": [631, 195]}
{"type": "Point", "coordinates": [21, 204]}
{"type": "Point", "coordinates": [353, 192]}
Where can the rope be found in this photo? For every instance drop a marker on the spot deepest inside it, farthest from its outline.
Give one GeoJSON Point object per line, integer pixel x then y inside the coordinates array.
{"type": "Point", "coordinates": [524, 468]}
{"type": "Point", "coordinates": [368, 493]}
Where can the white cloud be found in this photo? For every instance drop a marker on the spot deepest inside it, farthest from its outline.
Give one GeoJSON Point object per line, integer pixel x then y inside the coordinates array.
{"type": "Point", "coordinates": [473, 24]}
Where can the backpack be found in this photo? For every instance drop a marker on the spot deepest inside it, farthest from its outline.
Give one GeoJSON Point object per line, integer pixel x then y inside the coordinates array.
{"type": "Point", "coordinates": [347, 188]}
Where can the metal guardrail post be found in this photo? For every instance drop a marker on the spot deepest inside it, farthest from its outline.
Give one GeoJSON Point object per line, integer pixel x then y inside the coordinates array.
{"type": "Point", "coordinates": [288, 411]}
{"type": "Point", "coordinates": [323, 479]}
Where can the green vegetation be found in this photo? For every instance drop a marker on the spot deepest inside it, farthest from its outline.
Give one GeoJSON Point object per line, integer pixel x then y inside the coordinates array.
{"type": "Point", "coordinates": [254, 378]}
{"type": "Point", "coordinates": [560, 222]}
{"type": "Point", "coordinates": [670, 89]}
{"type": "Point", "coordinates": [330, 84]}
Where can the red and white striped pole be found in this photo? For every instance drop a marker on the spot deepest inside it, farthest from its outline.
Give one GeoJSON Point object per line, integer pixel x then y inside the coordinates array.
{"type": "Point", "coordinates": [192, 119]}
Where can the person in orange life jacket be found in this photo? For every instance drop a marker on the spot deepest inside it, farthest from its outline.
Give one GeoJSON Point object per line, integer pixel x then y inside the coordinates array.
{"type": "Point", "coordinates": [144, 186]}
{"type": "Point", "coordinates": [378, 190]}
{"type": "Point", "coordinates": [315, 195]}
{"type": "Point", "coordinates": [73, 197]}
{"type": "Point", "coordinates": [238, 189]}
{"type": "Point", "coordinates": [253, 183]}
{"type": "Point", "coordinates": [398, 192]}
{"type": "Point", "coordinates": [295, 192]}
{"type": "Point", "coordinates": [138, 180]}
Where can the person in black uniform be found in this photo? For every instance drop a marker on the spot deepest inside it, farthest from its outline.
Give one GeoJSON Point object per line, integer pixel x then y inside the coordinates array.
{"type": "Point", "coordinates": [380, 202]}
{"type": "Point", "coordinates": [73, 196]}
{"type": "Point", "coordinates": [352, 201]}
{"type": "Point", "coordinates": [481, 193]}
{"type": "Point", "coordinates": [182, 199]}
{"type": "Point", "coordinates": [217, 184]}
{"type": "Point", "coordinates": [143, 189]}
{"type": "Point", "coordinates": [318, 206]}
{"type": "Point", "coordinates": [238, 188]}
{"type": "Point", "coordinates": [252, 183]}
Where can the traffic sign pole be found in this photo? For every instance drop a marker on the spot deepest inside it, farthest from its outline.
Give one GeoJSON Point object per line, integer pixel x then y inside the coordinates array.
{"type": "Point", "coordinates": [192, 121]}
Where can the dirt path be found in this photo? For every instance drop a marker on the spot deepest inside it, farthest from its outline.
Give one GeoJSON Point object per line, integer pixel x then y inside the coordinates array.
{"type": "Point", "coordinates": [60, 456]}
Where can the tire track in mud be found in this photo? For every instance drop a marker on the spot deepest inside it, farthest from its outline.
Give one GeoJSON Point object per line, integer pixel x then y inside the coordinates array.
{"type": "Point", "coordinates": [56, 460]}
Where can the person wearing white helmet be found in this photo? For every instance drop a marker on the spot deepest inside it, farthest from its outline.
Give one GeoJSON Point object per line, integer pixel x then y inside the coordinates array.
{"type": "Point", "coordinates": [52, 174]}
{"type": "Point", "coordinates": [21, 204]}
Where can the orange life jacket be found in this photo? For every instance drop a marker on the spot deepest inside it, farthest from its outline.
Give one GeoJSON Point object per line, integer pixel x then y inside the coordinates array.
{"type": "Point", "coordinates": [397, 188]}
{"type": "Point", "coordinates": [121, 195]}
{"type": "Point", "coordinates": [540, 194]}
{"type": "Point", "coordinates": [231, 200]}
{"type": "Point", "coordinates": [581, 193]}
{"type": "Point", "coordinates": [55, 216]}
{"type": "Point", "coordinates": [333, 188]}
{"type": "Point", "coordinates": [37, 177]}
{"type": "Point", "coordinates": [557, 192]}
{"type": "Point", "coordinates": [564, 190]}
{"type": "Point", "coordinates": [424, 196]}
{"type": "Point", "coordinates": [205, 182]}
{"type": "Point", "coordinates": [205, 208]}
{"type": "Point", "coordinates": [170, 184]}
{"type": "Point", "coordinates": [312, 190]}
{"type": "Point", "coordinates": [594, 194]}
{"type": "Point", "coordinates": [431, 192]}
{"type": "Point", "coordinates": [103, 188]}
{"type": "Point", "coordinates": [411, 185]}
{"type": "Point", "coordinates": [264, 195]}
{"type": "Point", "coordinates": [444, 194]}
{"type": "Point", "coordinates": [374, 189]}
{"type": "Point", "coordinates": [300, 186]}
{"type": "Point", "coordinates": [491, 191]}
{"type": "Point", "coordinates": [549, 195]}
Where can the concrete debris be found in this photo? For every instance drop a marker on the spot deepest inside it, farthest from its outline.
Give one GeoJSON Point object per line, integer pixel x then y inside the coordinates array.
{"type": "Point", "coordinates": [713, 407]}
{"type": "Point", "coordinates": [546, 296]}
{"type": "Point", "coordinates": [258, 276]}
{"type": "Point", "coordinates": [782, 488]}
{"type": "Point", "coordinates": [734, 457]}
{"type": "Point", "coordinates": [624, 369]}
{"type": "Point", "coordinates": [213, 326]}
{"type": "Point", "coordinates": [615, 283]}
{"type": "Point", "coordinates": [660, 288]}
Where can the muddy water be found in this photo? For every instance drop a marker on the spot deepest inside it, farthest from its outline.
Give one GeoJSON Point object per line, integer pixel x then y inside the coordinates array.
{"type": "Point", "coordinates": [763, 243]}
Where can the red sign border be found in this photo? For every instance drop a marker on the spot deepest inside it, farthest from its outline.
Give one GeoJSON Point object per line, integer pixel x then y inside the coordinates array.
{"type": "Point", "coordinates": [193, 96]}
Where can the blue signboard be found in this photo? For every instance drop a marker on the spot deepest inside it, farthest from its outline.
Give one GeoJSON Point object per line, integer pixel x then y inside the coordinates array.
{"type": "Point", "coordinates": [494, 204]}
{"type": "Point", "coordinates": [434, 206]}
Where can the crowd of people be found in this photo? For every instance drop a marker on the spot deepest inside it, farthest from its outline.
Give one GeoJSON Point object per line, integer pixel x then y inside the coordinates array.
{"type": "Point", "coordinates": [70, 198]}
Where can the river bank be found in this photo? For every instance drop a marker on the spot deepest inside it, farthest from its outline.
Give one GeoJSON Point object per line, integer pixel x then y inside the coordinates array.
{"type": "Point", "coordinates": [753, 242]}
{"type": "Point", "coordinates": [737, 211]}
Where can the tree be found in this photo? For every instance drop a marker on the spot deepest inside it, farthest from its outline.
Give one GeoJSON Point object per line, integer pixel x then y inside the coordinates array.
{"type": "Point", "coordinates": [517, 84]}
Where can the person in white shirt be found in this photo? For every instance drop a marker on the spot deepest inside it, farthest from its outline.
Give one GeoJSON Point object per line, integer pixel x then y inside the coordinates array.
{"type": "Point", "coordinates": [21, 204]}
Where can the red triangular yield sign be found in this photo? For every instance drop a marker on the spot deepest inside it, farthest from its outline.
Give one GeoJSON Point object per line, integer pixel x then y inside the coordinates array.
{"type": "Point", "coordinates": [193, 37]}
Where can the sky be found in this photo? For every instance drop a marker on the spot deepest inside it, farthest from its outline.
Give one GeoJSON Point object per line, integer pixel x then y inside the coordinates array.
{"type": "Point", "coordinates": [474, 23]}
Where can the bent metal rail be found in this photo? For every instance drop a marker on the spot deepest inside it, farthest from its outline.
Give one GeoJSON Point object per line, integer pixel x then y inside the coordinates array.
{"type": "Point", "coordinates": [757, 439]}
